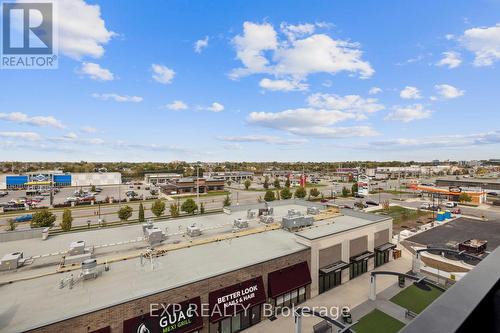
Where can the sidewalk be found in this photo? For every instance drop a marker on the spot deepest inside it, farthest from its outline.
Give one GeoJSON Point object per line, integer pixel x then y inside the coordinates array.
{"type": "Point", "coordinates": [351, 294]}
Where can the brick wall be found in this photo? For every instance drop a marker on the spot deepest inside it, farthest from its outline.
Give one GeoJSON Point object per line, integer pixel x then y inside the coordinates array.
{"type": "Point", "coordinates": [115, 315]}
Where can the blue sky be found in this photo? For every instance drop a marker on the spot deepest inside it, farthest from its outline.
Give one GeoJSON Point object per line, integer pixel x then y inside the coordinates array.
{"type": "Point", "coordinates": [261, 81]}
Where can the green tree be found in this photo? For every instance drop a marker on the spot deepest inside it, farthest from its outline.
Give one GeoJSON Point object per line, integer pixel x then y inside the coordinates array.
{"type": "Point", "coordinates": [67, 220]}
{"type": "Point", "coordinates": [287, 183]}
{"type": "Point", "coordinates": [345, 192]}
{"type": "Point", "coordinates": [464, 197]}
{"type": "Point", "coordinates": [189, 206]}
{"type": "Point", "coordinates": [354, 188]}
{"type": "Point", "coordinates": [300, 192]}
{"type": "Point", "coordinates": [269, 196]}
{"type": "Point", "coordinates": [314, 192]}
{"type": "Point", "coordinates": [11, 225]}
{"type": "Point", "coordinates": [92, 189]}
{"type": "Point", "coordinates": [174, 210]}
{"type": "Point", "coordinates": [266, 182]}
{"type": "Point", "coordinates": [247, 184]}
{"type": "Point", "coordinates": [125, 213]}
{"type": "Point", "coordinates": [158, 207]}
{"type": "Point", "coordinates": [202, 208]}
{"type": "Point", "coordinates": [141, 213]}
{"type": "Point", "coordinates": [227, 201]}
{"type": "Point", "coordinates": [229, 183]}
{"type": "Point", "coordinates": [277, 183]}
{"type": "Point", "coordinates": [286, 193]}
{"type": "Point", "coordinates": [42, 219]}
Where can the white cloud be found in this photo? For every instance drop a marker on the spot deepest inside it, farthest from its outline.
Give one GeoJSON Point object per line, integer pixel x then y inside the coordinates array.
{"type": "Point", "coordinates": [438, 142]}
{"type": "Point", "coordinates": [448, 92]}
{"type": "Point", "coordinates": [260, 51]}
{"type": "Point", "coordinates": [262, 138]}
{"type": "Point", "coordinates": [88, 129]}
{"type": "Point", "coordinates": [216, 107]}
{"type": "Point", "coordinates": [177, 106]}
{"type": "Point", "coordinates": [484, 42]}
{"type": "Point", "coordinates": [71, 136]}
{"type": "Point", "coordinates": [82, 31]}
{"type": "Point", "coordinates": [200, 44]}
{"type": "Point", "coordinates": [410, 93]}
{"type": "Point", "coordinates": [408, 113]}
{"type": "Point", "coordinates": [374, 91]}
{"type": "Point", "coordinates": [282, 85]}
{"type": "Point", "coordinates": [22, 118]}
{"type": "Point", "coordinates": [31, 136]}
{"type": "Point", "coordinates": [96, 72]}
{"type": "Point", "coordinates": [118, 98]}
{"type": "Point", "coordinates": [450, 59]}
{"type": "Point", "coordinates": [351, 103]}
{"type": "Point", "coordinates": [299, 30]}
{"type": "Point", "coordinates": [162, 74]}
{"type": "Point", "coordinates": [250, 47]}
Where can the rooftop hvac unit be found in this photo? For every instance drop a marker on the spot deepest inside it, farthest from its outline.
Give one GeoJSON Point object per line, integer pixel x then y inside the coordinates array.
{"type": "Point", "coordinates": [251, 214]}
{"type": "Point", "coordinates": [154, 236]}
{"type": "Point", "coordinates": [293, 212]}
{"type": "Point", "coordinates": [294, 222]}
{"type": "Point", "coordinates": [11, 261]}
{"type": "Point", "coordinates": [147, 225]}
{"type": "Point", "coordinates": [89, 269]}
{"type": "Point", "coordinates": [193, 230]}
{"type": "Point", "coordinates": [76, 248]}
{"type": "Point", "coordinates": [240, 224]}
{"type": "Point", "coordinates": [267, 219]}
{"type": "Point", "coordinates": [312, 210]}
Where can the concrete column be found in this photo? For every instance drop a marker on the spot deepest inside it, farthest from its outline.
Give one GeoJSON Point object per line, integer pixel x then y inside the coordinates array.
{"type": "Point", "coordinates": [416, 263]}
{"type": "Point", "coordinates": [373, 288]}
{"type": "Point", "coordinates": [391, 255]}
{"type": "Point", "coordinates": [345, 275]}
{"type": "Point", "coordinates": [371, 241]}
{"type": "Point", "coordinates": [371, 263]}
{"type": "Point", "coordinates": [314, 270]}
{"type": "Point", "coordinates": [345, 251]}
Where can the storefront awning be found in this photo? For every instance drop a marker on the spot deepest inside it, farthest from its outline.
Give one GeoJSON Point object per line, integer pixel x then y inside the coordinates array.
{"type": "Point", "coordinates": [288, 279]}
{"type": "Point", "coordinates": [227, 302]}
{"type": "Point", "coordinates": [334, 267]}
{"type": "Point", "coordinates": [385, 247]}
{"type": "Point", "coordinates": [362, 256]}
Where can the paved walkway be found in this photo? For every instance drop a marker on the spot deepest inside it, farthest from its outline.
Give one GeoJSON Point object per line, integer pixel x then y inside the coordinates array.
{"type": "Point", "coordinates": [351, 294]}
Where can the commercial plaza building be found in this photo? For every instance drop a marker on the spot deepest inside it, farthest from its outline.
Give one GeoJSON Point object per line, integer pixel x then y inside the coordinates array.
{"type": "Point", "coordinates": [259, 265]}
{"type": "Point", "coordinates": [44, 179]}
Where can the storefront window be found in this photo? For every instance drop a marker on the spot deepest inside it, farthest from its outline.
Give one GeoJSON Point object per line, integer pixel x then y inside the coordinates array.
{"type": "Point", "coordinates": [235, 323]}
{"type": "Point", "coordinates": [225, 326]}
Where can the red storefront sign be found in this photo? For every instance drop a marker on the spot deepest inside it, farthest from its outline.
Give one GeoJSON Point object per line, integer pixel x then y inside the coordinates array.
{"type": "Point", "coordinates": [184, 317]}
{"type": "Point", "coordinates": [288, 279]}
{"type": "Point", "coordinates": [231, 300]}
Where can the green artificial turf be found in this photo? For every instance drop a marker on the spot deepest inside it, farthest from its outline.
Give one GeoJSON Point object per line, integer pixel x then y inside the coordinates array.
{"type": "Point", "coordinates": [415, 299]}
{"type": "Point", "coordinates": [378, 322]}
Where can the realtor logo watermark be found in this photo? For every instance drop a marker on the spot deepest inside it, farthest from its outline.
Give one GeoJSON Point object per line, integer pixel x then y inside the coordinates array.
{"type": "Point", "coordinates": [29, 38]}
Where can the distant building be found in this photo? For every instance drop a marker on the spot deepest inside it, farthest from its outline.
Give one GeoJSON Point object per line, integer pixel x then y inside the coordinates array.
{"type": "Point", "coordinates": [44, 179]}
{"type": "Point", "coordinates": [161, 178]}
{"type": "Point", "coordinates": [236, 176]}
{"type": "Point", "coordinates": [189, 185]}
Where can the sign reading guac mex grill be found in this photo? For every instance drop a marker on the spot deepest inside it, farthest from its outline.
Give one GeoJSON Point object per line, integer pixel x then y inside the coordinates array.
{"type": "Point", "coordinates": [184, 317]}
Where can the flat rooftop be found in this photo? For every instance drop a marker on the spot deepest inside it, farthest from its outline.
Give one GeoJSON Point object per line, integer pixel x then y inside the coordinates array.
{"type": "Point", "coordinates": [128, 280]}
{"type": "Point", "coordinates": [460, 230]}
{"type": "Point", "coordinates": [349, 220]}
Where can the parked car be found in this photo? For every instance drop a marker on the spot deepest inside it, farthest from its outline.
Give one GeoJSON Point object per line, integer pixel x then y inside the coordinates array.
{"type": "Point", "coordinates": [23, 218]}
{"type": "Point", "coordinates": [457, 211]}
{"type": "Point", "coordinates": [371, 202]}
{"type": "Point", "coordinates": [450, 204]}
{"type": "Point", "coordinates": [425, 205]}
{"type": "Point", "coordinates": [98, 189]}
{"type": "Point", "coordinates": [492, 193]}
{"type": "Point", "coordinates": [3, 193]}
{"type": "Point", "coordinates": [71, 199]}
